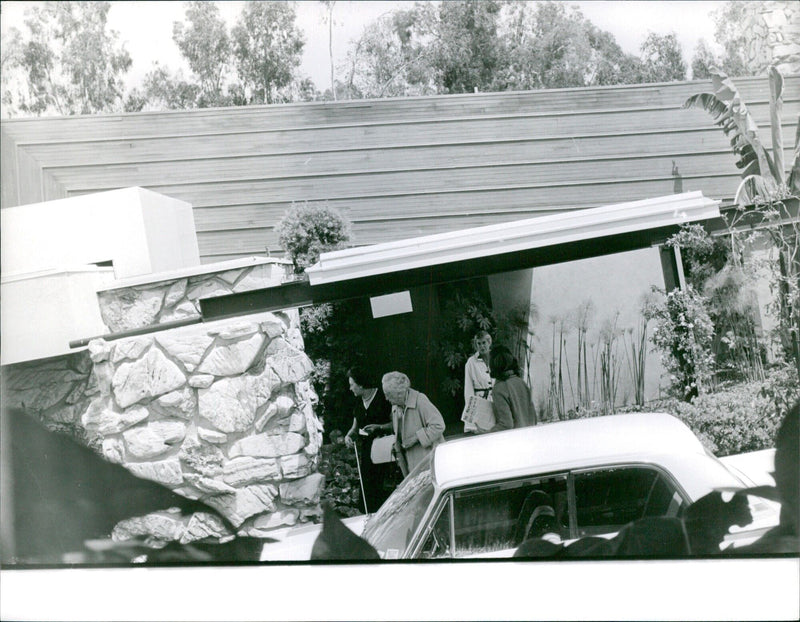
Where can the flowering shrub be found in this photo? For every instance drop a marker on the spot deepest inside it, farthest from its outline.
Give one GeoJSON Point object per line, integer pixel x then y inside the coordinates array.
{"type": "Point", "coordinates": [732, 421]}
{"type": "Point", "coordinates": [306, 230]}
{"type": "Point", "coordinates": [684, 333]}
{"type": "Point", "coordinates": [703, 256]}
{"type": "Point", "coordinates": [781, 388]}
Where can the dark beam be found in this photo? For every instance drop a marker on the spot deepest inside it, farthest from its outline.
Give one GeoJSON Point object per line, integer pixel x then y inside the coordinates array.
{"type": "Point", "coordinates": [302, 293]}
{"type": "Point", "coordinates": [287, 295]}
{"type": "Point", "coordinates": [751, 218]}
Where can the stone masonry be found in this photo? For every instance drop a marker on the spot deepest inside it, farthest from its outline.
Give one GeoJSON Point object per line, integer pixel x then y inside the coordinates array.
{"type": "Point", "coordinates": [774, 36]}
{"type": "Point", "coordinates": [221, 412]}
{"type": "Point", "coordinates": [157, 302]}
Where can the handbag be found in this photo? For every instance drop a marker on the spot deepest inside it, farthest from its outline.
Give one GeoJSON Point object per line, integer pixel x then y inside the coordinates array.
{"type": "Point", "coordinates": [381, 450]}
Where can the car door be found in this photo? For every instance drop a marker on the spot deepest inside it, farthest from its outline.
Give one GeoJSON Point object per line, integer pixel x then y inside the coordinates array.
{"type": "Point", "coordinates": [492, 519]}
{"type": "Point", "coordinates": [607, 498]}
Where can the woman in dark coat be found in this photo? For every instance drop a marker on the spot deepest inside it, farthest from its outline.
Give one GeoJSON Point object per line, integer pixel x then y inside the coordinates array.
{"type": "Point", "coordinates": [511, 397]}
{"type": "Point", "coordinates": [374, 411]}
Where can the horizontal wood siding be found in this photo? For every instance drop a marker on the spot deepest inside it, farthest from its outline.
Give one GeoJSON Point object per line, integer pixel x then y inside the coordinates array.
{"type": "Point", "coordinates": [397, 167]}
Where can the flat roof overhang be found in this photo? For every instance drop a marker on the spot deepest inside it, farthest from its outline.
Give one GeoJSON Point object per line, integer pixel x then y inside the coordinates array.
{"type": "Point", "coordinates": [480, 251]}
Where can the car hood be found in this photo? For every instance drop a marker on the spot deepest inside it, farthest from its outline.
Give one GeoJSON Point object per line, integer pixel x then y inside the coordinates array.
{"type": "Point", "coordinates": [295, 543]}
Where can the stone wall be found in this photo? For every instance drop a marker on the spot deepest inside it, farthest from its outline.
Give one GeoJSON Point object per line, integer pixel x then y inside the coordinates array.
{"type": "Point", "coordinates": [774, 38]}
{"type": "Point", "coordinates": [221, 412]}
{"type": "Point", "coordinates": [127, 306]}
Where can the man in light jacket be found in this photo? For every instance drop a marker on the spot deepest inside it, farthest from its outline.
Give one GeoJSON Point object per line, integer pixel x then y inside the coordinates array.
{"type": "Point", "coordinates": [417, 423]}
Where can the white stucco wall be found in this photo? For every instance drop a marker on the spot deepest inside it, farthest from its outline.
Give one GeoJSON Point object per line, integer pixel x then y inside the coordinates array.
{"type": "Point", "coordinates": [140, 231]}
{"type": "Point", "coordinates": [42, 312]}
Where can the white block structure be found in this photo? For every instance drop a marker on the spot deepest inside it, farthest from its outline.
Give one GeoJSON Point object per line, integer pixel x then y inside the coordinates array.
{"type": "Point", "coordinates": [57, 255]}
{"type": "Point", "coordinates": [137, 230]}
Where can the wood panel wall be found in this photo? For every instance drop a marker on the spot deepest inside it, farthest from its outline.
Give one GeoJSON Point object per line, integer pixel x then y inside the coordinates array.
{"type": "Point", "coordinates": [397, 167]}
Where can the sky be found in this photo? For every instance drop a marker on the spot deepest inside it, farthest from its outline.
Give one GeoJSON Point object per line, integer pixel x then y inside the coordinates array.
{"type": "Point", "coordinates": [145, 27]}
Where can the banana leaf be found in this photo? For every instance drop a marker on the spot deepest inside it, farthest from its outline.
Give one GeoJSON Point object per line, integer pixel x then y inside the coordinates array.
{"type": "Point", "coordinates": [794, 174]}
{"type": "Point", "coordinates": [729, 111]}
{"type": "Point", "coordinates": [754, 186]}
{"type": "Point", "coordinates": [775, 108]}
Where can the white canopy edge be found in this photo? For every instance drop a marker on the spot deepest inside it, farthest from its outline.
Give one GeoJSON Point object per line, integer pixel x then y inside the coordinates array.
{"type": "Point", "coordinates": [542, 231]}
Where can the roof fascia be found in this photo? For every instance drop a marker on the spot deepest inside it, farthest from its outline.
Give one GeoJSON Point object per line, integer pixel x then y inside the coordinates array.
{"type": "Point", "coordinates": [522, 236]}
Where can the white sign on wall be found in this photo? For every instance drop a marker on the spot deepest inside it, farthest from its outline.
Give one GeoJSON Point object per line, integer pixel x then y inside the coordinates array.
{"type": "Point", "coordinates": [391, 304]}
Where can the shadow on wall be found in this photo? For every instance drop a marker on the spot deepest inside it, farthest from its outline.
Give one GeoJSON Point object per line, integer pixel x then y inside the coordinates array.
{"type": "Point", "coordinates": [56, 508]}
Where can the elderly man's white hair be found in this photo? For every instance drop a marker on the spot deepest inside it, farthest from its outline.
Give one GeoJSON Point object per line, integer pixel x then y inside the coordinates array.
{"type": "Point", "coordinates": [395, 381]}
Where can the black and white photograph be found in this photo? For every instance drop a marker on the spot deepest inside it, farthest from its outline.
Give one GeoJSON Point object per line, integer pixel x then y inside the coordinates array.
{"type": "Point", "coordinates": [371, 310]}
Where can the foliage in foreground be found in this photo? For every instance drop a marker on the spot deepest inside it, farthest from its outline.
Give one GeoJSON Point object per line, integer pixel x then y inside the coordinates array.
{"type": "Point", "coordinates": [338, 464]}
{"type": "Point", "coordinates": [335, 335]}
{"type": "Point", "coordinates": [742, 417]}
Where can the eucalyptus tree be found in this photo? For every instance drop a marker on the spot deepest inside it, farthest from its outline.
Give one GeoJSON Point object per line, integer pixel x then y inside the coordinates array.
{"type": "Point", "coordinates": [464, 46]}
{"type": "Point", "coordinates": [329, 4]}
{"type": "Point", "coordinates": [552, 45]}
{"type": "Point", "coordinates": [389, 59]}
{"type": "Point", "coordinates": [68, 62]}
{"type": "Point", "coordinates": [662, 59]}
{"type": "Point", "coordinates": [267, 49]}
{"type": "Point", "coordinates": [205, 44]}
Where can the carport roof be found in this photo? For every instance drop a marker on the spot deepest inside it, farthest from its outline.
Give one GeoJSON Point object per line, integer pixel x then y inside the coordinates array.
{"type": "Point", "coordinates": [396, 266]}
{"type": "Point", "coordinates": [511, 237]}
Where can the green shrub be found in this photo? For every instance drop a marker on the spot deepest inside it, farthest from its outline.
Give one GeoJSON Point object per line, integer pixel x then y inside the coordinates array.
{"type": "Point", "coordinates": [781, 388]}
{"type": "Point", "coordinates": [736, 418]}
{"type": "Point", "coordinates": [743, 417]}
{"type": "Point", "coordinates": [733, 420]}
{"type": "Point", "coordinates": [342, 488]}
{"type": "Point", "coordinates": [334, 336]}
{"type": "Point", "coordinates": [306, 230]}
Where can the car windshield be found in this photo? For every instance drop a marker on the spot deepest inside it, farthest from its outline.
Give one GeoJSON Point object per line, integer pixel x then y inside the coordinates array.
{"type": "Point", "coordinates": [390, 530]}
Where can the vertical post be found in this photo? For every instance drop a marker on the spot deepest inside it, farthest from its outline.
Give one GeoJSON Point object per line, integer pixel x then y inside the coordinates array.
{"type": "Point", "coordinates": [672, 268]}
{"type": "Point", "coordinates": [360, 479]}
{"type": "Point", "coordinates": [7, 535]}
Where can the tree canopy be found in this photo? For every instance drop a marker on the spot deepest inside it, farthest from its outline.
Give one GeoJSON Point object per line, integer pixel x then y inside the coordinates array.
{"type": "Point", "coordinates": [267, 48]}
{"type": "Point", "coordinates": [662, 60]}
{"type": "Point", "coordinates": [206, 46]}
{"type": "Point", "coordinates": [468, 45]}
{"type": "Point", "coordinates": [733, 37]}
{"type": "Point", "coordinates": [69, 62]}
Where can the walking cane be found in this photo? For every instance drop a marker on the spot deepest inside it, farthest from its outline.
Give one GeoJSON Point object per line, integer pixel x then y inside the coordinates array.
{"type": "Point", "coordinates": [360, 481]}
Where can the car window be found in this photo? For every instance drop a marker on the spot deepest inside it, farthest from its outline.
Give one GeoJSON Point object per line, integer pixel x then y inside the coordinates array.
{"type": "Point", "coordinates": [607, 499]}
{"type": "Point", "coordinates": [500, 516]}
{"type": "Point", "coordinates": [438, 543]}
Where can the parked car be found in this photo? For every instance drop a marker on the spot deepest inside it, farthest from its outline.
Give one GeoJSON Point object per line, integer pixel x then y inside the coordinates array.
{"type": "Point", "coordinates": [473, 496]}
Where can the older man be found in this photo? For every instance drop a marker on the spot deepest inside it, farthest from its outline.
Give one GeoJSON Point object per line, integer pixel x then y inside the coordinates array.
{"type": "Point", "coordinates": [417, 423]}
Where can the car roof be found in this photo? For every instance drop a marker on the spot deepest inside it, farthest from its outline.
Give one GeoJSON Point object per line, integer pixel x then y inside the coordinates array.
{"type": "Point", "coordinates": [565, 444]}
